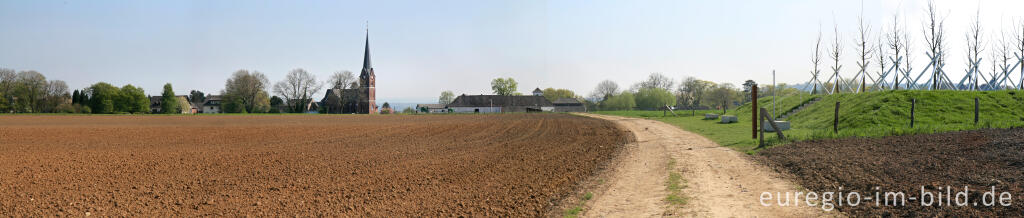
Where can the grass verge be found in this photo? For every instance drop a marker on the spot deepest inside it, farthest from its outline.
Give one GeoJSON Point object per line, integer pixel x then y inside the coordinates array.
{"type": "Point", "coordinates": [674, 185]}
{"type": "Point", "coordinates": [578, 209]}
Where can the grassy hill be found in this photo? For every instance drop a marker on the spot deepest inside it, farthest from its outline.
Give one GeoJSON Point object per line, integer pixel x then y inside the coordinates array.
{"type": "Point", "coordinates": [869, 114]}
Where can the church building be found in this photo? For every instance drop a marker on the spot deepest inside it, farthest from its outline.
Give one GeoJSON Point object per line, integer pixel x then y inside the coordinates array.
{"type": "Point", "coordinates": [354, 100]}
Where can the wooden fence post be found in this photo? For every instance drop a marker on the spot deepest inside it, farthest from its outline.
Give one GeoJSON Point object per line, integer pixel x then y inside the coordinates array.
{"type": "Point", "coordinates": [913, 104]}
{"type": "Point", "coordinates": [975, 110]}
{"type": "Point", "coordinates": [835, 120]}
{"type": "Point", "coordinates": [760, 144]}
{"type": "Point", "coordinates": [771, 122]}
{"type": "Point", "coordinates": [753, 110]}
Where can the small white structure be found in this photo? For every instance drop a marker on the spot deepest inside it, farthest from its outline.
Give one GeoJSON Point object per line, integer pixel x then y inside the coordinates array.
{"type": "Point", "coordinates": [783, 125]}
{"type": "Point", "coordinates": [729, 119]}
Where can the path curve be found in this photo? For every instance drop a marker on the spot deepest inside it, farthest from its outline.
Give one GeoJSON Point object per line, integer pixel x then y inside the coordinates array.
{"type": "Point", "coordinates": [720, 182]}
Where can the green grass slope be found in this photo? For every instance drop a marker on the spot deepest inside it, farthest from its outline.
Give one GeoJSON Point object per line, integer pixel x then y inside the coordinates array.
{"type": "Point", "coordinates": [871, 114]}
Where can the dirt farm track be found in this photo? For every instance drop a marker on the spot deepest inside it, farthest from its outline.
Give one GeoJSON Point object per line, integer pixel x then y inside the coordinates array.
{"type": "Point", "coordinates": [327, 165]}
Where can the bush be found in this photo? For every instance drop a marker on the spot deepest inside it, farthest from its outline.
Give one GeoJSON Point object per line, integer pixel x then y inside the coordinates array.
{"type": "Point", "coordinates": [653, 98]}
{"type": "Point", "coordinates": [85, 109]}
{"type": "Point", "coordinates": [622, 101]}
{"type": "Point", "coordinates": [65, 108]}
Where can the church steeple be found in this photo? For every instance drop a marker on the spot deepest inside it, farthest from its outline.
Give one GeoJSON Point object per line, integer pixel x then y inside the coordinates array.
{"type": "Point", "coordinates": [367, 66]}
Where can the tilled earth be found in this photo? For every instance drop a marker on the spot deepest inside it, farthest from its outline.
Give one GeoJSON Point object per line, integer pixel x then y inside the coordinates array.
{"type": "Point", "coordinates": [326, 165]}
{"type": "Point", "coordinates": [980, 159]}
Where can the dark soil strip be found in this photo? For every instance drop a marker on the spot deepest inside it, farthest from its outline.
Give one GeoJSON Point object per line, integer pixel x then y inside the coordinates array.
{"type": "Point", "coordinates": [980, 159]}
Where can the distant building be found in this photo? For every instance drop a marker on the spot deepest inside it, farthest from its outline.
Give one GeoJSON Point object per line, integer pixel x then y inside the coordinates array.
{"type": "Point", "coordinates": [212, 104]}
{"type": "Point", "coordinates": [360, 100]}
{"type": "Point", "coordinates": [569, 105]}
{"type": "Point", "coordinates": [184, 104]}
{"type": "Point", "coordinates": [538, 92]}
{"type": "Point", "coordinates": [499, 103]}
{"type": "Point", "coordinates": [431, 108]}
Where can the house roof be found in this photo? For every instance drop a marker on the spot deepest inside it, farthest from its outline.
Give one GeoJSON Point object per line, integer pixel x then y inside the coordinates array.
{"type": "Point", "coordinates": [566, 101]}
{"type": "Point", "coordinates": [499, 101]}
{"type": "Point", "coordinates": [537, 90]}
{"type": "Point", "coordinates": [213, 100]}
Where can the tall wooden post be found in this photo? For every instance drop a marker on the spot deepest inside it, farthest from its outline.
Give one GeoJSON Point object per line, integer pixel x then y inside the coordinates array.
{"type": "Point", "coordinates": [761, 141]}
{"type": "Point", "coordinates": [835, 120]}
{"type": "Point", "coordinates": [975, 110]}
{"type": "Point", "coordinates": [754, 110]}
{"type": "Point", "coordinates": [913, 104]}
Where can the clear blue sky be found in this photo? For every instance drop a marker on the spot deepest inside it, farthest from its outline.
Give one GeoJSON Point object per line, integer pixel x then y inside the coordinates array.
{"type": "Point", "coordinates": [423, 47]}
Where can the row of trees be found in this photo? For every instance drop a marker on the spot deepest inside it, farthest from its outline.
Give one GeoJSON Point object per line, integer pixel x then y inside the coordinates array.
{"type": "Point", "coordinates": [658, 91]}
{"type": "Point", "coordinates": [244, 92]}
{"type": "Point", "coordinates": [30, 92]}
{"type": "Point", "coordinates": [893, 47]}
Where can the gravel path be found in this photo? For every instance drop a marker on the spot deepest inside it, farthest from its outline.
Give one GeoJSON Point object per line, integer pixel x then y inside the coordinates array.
{"type": "Point", "coordinates": [719, 182]}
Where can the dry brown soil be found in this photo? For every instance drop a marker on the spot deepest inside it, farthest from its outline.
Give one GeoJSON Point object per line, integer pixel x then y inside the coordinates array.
{"type": "Point", "coordinates": [327, 165]}
{"type": "Point", "coordinates": [979, 159]}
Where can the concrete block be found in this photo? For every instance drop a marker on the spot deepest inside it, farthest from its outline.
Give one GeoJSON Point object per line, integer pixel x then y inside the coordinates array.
{"type": "Point", "coordinates": [729, 119]}
{"type": "Point", "coordinates": [783, 125]}
{"type": "Point", "coordinates": [710, 116]}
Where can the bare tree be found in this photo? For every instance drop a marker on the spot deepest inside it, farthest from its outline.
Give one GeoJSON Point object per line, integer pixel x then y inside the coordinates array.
{"type": "Point", "coordinates": [1019, 41]}
{"type": "Point", "coordinates": [297, 88]}
{"type": "Point", "coordinates": [56, 94]}
{"type": "Point", "coordinates": [865, 51]}
{"type": "Point", "coordinates": [7, 81]}
{"type": "Point", "coordinates": [604, 90]}
{"type": "Point", "coordinates": [835, 54]}
{"type": "Point", "coordinates": [882, 63]}
{"type": "Point", "coordinates": [908, 60]}
{"type": "Point", "coordinates": [1004, 54]}
{"type": "Point", "coordinates": [934, 35]}
{"type": "Point", "coordinates": [342, 80]}
{"type": "Point", "coordinates": [974, 48]}
{"type": "Point", "coordinates": [816, 60]}
{"type": "Point", "coordinates": [896, 43]}
{"type": "Point", "coordinates": [656, 80]}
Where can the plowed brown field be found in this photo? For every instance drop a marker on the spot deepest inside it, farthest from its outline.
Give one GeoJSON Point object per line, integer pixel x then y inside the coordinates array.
{"type": "Point", "coordinates": [481, 165]}
{"type": "Point", "coordinates": [942, 163]}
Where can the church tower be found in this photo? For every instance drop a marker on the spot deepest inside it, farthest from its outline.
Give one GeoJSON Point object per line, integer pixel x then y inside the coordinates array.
{"type": "Point", "coordinates": [367, 81]}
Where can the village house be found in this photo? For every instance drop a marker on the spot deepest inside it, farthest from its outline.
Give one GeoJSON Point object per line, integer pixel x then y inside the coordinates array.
{"type": "Point", "coordinates": [499, 104]}
{"type": "Point", "coordinates": [211, 105]}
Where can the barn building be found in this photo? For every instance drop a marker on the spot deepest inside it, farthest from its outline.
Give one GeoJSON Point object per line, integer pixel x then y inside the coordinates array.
{"type": "Point", "coordinates": [499, 104]}
{"type": "Point", "coordinates": [358, 100]}
{"type": "Point", "coordinates": [431, 108]}
{"type": "Point", "coordinates": [569, 105]}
